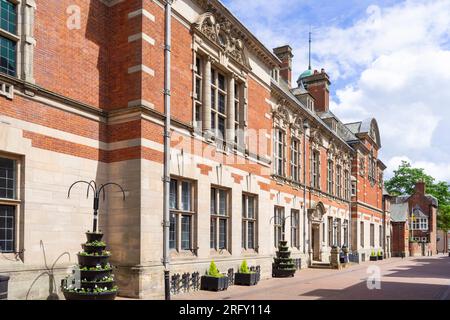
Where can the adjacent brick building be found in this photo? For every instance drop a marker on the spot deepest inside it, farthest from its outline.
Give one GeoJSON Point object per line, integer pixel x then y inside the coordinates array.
{"type": "Point", "coordinates": [81, 97]}
{"type": "Point", "coordinates": [414, 222]}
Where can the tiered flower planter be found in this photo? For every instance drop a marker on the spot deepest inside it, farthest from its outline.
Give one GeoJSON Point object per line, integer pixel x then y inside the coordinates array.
{"type": "Point", "coordinates": [283, 266]}
{"type": "Point", "coordinates": [96, 277]}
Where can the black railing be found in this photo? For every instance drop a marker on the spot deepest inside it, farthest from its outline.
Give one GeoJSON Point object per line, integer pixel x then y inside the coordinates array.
{"type": "Point", "coordinates": [186, 282]}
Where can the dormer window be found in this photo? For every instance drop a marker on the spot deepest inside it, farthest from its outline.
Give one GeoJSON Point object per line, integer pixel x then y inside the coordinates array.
{"type": "Point", "coordinates": [275, 74]}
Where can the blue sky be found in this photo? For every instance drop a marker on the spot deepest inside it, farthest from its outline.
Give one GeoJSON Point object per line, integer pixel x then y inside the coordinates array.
{"type": "Point", "coordinates": [387, 59]}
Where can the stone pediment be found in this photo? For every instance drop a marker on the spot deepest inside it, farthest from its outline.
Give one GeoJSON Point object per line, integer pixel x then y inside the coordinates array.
{"type": "Point", "coordinates": [220, 33]}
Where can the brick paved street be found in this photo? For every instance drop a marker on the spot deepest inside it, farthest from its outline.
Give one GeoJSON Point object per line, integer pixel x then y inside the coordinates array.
{"type": "Point", "coordinates": [425, 278]}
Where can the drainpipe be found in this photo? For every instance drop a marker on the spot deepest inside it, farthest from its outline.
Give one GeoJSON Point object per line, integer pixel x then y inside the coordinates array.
{"type": "Point", "coordinates": [166, 178]}
{"type": "Point", "coordinates": [305, 127]}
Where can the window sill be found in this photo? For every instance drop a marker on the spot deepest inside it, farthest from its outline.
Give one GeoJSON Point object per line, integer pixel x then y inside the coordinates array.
{"type": "Point", "coordinates": [181, 255]}
{"type": "Point", "coordinates": [9, 201]}
{"type": "Point", "coordinates": [220, 253]}
{"type": "Point", "coordinates": [249, 252]}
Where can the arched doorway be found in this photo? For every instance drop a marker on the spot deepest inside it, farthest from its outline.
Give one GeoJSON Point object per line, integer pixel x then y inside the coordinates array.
{"type": "Point", "coordinates": [316, 231]}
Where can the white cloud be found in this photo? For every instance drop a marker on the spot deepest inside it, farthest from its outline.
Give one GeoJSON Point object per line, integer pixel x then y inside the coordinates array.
{"type": "Point", "coordinates": [393, 63]}
{"type": "Point", "coordinates": [440, 171]}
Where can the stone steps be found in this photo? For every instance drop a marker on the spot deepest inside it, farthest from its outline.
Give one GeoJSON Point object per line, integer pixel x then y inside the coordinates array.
{"type": "Point", "coordinates": [321, 265]}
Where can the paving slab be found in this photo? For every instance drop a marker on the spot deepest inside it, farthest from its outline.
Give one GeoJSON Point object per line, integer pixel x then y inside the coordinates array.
{"type": "Point", "coordinates": [418, 278]}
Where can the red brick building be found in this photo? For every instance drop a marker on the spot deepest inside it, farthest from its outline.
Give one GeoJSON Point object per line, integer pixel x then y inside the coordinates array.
{"type": "Point", "coordinates": [82, 97]}
{"type": "Point", "coordinates": [414, 223]}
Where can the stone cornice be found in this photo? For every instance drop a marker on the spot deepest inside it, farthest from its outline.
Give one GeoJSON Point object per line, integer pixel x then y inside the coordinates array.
{"type": "Point", "coordinates": [295, 107]}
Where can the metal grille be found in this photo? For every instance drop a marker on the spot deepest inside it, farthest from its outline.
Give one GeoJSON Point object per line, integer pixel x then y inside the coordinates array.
{"type": "Point", "coordinates": [7, 223]}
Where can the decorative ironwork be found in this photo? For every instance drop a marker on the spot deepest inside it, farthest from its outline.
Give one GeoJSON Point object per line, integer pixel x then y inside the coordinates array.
{"type": "Point", "coordinates": [230, 277]}
{"type": "Point", "coordinates": [195, 281]}
{"type": "Point", "coordinates": [97, 191]}
{"type": "Point", "coordinates": [175, 284]}
{"type": "Point", "coordinates": [184, 283]}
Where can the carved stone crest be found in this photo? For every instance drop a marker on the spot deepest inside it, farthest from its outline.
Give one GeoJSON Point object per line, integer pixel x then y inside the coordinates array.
{"type": "Point", "coordinates": [220, 32]}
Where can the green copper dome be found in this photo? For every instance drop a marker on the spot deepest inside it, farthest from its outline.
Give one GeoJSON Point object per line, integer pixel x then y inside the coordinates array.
{"type": "Point", "coordinates": [306, 74]}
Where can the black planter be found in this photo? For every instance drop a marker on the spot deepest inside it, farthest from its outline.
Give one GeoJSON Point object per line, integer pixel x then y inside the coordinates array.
{"type": "Point", "coordinates": [4, 287]}
{"type": "Point", "coordinates": [89, 296]}
{"type": "Point", "coordinates": [93, 261]}
{"type": "Point", "coordinates": [94, 275]}
{"type": "Point", "coordinates": [214, 284]}
{"type": "Point", "coordinates": [283, 273]}
{"type": "Point", "coordinates": [93, 249]}
{"type": "Point", "coordinates": [373, 258]}
{"type": "Point", "coordinates": [91, 285]}
{"type": "Point", "coordinates": [91, 236]}
{"type": "Point", "coordinates": [245, 279]}
{"type": "Point", "coordinates": [380, 257]}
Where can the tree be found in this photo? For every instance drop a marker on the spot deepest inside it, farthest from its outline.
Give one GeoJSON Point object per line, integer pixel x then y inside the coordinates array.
{"type": "Point", "coordinates": [405, 178]}
{"type": "Point", "coordinates": [403, 183]}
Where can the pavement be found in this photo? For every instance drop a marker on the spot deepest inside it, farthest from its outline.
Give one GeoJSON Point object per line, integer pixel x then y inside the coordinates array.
{"type": "Point", "coordinates": [417, 278]}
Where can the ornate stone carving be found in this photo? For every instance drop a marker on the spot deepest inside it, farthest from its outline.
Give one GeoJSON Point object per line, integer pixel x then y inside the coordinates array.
{"type": "Point", "coordinates": [221, 33]}
{"type": "Point", "coordinates": [315, 139]}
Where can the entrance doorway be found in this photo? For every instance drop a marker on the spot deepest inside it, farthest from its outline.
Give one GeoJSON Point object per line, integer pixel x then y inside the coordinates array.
{"type": "Point", "coordinates": [316, 242]}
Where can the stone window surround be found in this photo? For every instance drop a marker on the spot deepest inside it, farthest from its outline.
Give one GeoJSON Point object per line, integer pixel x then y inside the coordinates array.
{"type": "Point", "coordinates": [330, 177]}
{"type": "Point", "coordinates": [216, 217]}
{"type": "Point", "coordinates": [295, 227]}
{"type": "Point", "coordinates": [330, 231]}
{"type": "Point", "coordinates": [315, 169]}
{"type": "Point", "coordinates": [339, 181]}
{"type": "Point", "coordinates": [276, 157]}
{"type": "Point", "coordinates": [295, 158]}
{"type": "Point", "coordinates": [362, 241]}
{"type": "Point", "coordinates": [372, 235]}
{"type": "Point", "coordinates": [24, 38]}
{"type": "Point", "coordinates": [17, 203]}
{"type": "Point", "coordinates": [245, 220]}
{"type": "Point", "coordinates": [279, 212]}
{"type": "Point", "coordinates": [234, 74]}
{"type": "Point", "coordinates": [179, 213]}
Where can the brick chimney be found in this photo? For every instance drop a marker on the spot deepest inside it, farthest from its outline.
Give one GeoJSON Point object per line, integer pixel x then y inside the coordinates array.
{"type": "Point", "coordinates": [420, 187]}
{"type": "Point", "coordinates": [318, 86]}
{"type": "Point", "coordinates": [284, 53]}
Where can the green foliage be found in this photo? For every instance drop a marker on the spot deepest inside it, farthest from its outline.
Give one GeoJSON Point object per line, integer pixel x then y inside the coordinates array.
{"type": "Point", "coordinates": [404, 181]}
{"type": "Point", "coordinates": [380, 253]}
{"type": "Point", "coordinates": [213, 271]}
{"type": "Point", "coordinates": [96, 244]}
{"type": "Point", "coordinates": [373, 254]}
{"type": "Point", "coordinates": [244, 267]}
